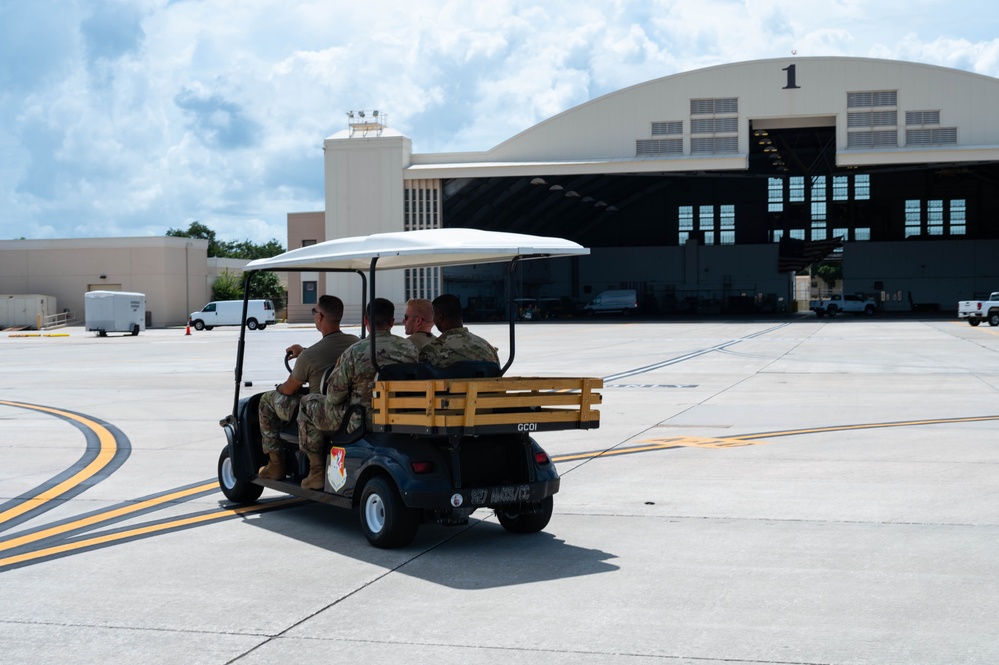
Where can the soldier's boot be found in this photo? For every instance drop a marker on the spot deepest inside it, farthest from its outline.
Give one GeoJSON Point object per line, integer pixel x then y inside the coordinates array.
{"type": "Point", "coordinates": [317, 468]}
{"type": "Point", "coordinates": [274, 469]}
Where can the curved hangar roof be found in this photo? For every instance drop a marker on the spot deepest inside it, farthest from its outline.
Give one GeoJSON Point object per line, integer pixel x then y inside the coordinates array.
{"type": "Point", "coordinates": [876, 112]}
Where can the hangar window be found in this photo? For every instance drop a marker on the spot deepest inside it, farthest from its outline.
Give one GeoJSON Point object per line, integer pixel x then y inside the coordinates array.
{"type": "Point", "coordinates": [862, 187]}
{"type": "Point", "coordinates": [658, 147]}
{"type": "Point", "coordinates": [871, 99]}
{"type": "Point", "coordinates": [726, 224]}
{"type": "Point", "coordinates": [796, 189]}
{"type": "Point", "coordinates": [882, 138]}
{"type": "Point", "coordinates": [957, 217]}
{"type": "Point", "coordinates": [868, 119]}
{"type": "Point", "coordinates": [685, 223]}
{"type": "Point", "coordinates": [775, 194]}
{"type": "Point", "coordinates": [421, 210]}
{"type": "Point", "coordinates": [667, 128]}
{"type": "Point", "coordinates": [934, 218]}
{"type": "Point", "coordinates": [712, 229]}
{"type": "Point", "coordinates": [841, 188]}
{"type": "Point", "coordinates": [872, 119]}
{"type": "Point", "coordinates": [706, 223]}
{"type": "Point", "coordinates": [913, 218]}
{"type": "Point", "coordinates": [703, 145]}
{"type": "Point", "coordinates": [939, 136]}
{"type": "Point", "coordinates": [818, 207]}
{"type": "Point", "coordinates": [714, 106]}
{"type": "Point", "coordinates": [714, 125]}
{"type": "Point", "coordinates": [922, 118]}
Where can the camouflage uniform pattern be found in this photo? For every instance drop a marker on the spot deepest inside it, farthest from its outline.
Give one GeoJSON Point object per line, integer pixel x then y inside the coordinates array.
{"type": "Point", "coordinates": [276, 409]}
{"type": "Point", "coordinates": [455, 345]}
{"type": "Point", "coordinates": [351, 383]}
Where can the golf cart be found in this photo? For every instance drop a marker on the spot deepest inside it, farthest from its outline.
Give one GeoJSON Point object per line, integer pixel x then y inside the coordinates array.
{"type": "Point", "coordinates": [444, 441]}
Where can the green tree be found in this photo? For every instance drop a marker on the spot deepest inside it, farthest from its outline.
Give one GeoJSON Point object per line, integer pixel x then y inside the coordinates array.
{"type": "Point", "coordinates": [829, 273]}
{"type": "Point", "coordinates": [228, 286]}
{"type": "Point", "coordinates": [228, 249]}
{"type": "Point", "coordinates": [244, 249]}
{"type": "Point", "coordinates": [266, 285]}
{"type": "Point", "coordinates": [263, 286]}
{"type": "Point", "coordinates": [202, 232]}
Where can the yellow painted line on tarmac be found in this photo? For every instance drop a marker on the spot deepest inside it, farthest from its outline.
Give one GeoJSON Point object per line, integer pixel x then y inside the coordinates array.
{"type": "Point", "coordinates": [988, 330]}
{"type": "Point", "coordinates": [102, 517]}
{"type": "Point", "coordinates": [140, 531]}
{"type": "Point", "coordinates": [705, 442]}
{"type": "Point", "coordinates": [108, 448]}
{"type": "Point", "coordinates": [610, 453]}
{"type": "Point", "coordinates": [842, 428]}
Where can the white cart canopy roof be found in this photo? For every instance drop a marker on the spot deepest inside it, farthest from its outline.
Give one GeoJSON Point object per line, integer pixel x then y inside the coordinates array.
{"type": "Point", "coordinates": [418, 249]}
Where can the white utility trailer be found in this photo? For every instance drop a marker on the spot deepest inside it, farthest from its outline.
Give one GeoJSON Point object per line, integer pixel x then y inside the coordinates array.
{"type": "Point", "coordinates": [115, 311]}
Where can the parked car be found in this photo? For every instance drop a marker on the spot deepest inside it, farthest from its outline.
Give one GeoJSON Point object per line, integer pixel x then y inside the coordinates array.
{"type": "Point", "coordinates": [623, 301]}
{"type": "Point", "coordinates": [855, 304]}
{"type": "Point", "coordinates": [976, 311]}
{"type": "Point", "coordinates": [259, 314]}
{"type": "Point", "coordinates": [444, 442]}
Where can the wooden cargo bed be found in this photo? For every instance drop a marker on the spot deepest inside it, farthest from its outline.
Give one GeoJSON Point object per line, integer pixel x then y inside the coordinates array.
{"type": "Point", "coordinates": [466, 407]}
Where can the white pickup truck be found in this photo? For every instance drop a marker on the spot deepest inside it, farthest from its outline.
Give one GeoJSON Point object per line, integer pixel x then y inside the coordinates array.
{"type": "Point", "coordinates": [976, 311]}
{"type": "Point", "coordinates": [837, 303]}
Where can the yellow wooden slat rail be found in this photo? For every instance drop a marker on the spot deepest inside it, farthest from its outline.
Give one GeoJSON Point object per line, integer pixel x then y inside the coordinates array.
{"type": "Point", "coordinates": [471, 403]}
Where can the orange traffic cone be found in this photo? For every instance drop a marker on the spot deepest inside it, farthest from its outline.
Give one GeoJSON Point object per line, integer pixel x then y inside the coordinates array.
{"type": "Point", "coordinates": [188, 327]}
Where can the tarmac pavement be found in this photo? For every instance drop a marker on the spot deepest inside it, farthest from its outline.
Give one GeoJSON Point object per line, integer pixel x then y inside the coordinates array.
{"type": "Point", "coordinates": [792, 490]}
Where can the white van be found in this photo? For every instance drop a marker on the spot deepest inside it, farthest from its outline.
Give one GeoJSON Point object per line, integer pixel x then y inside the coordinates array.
{"type": "Point", "coordinates": [259, 314]}
{"type": "Point", "coordinates": [624, 301]}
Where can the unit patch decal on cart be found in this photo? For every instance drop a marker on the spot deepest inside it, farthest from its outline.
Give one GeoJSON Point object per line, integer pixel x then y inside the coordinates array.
{"type": "Point", "coordinates": [336, 474]}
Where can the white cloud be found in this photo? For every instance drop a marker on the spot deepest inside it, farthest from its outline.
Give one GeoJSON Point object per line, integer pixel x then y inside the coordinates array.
{"type": "Point", "coordinates": [129, 117]}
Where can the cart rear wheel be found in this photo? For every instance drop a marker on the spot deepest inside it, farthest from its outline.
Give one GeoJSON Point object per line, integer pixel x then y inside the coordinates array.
{"type": "Point", "coordinates": [236, 490]}
{"type": "Point", "coordinates": [386, 521]}
{"type": "Point", "coordinates": [527, 522]}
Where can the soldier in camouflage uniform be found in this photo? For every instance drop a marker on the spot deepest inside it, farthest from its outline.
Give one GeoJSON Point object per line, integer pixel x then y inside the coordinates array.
{"type": "Point", "coordinates": [351, 382]}
{"type": "Point", "coordinates": [277, 407]}
{"type": "Point", "coordinates": [419, 321]}
{"type": "Point", "coordinates": [455, 342]}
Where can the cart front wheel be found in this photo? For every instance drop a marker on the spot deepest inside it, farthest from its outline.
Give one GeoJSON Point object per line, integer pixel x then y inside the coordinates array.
{"type": "Point", "coordinates": [236, 490]}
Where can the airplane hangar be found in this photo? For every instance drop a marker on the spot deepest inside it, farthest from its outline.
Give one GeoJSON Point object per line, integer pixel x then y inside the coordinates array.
{"type": "Point", "coordinates": [709, 190]}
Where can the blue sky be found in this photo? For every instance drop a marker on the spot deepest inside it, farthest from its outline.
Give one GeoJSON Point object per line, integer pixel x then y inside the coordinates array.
{"type": "Point", "coordinates": [127, 118]}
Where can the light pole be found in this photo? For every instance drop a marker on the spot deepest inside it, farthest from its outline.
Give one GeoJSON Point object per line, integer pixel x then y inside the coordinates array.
{"type": "Point", "coordinates": [187, 278]}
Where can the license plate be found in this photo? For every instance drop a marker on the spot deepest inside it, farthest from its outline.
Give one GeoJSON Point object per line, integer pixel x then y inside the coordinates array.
{"type": "Point", "coordinates": [501, 494]}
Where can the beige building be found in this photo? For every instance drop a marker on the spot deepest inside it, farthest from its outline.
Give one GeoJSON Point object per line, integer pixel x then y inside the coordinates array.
{"type": "Point", "coordinates": [304, 229]}
{"type": "Point", "coordinates": [175, 274]}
